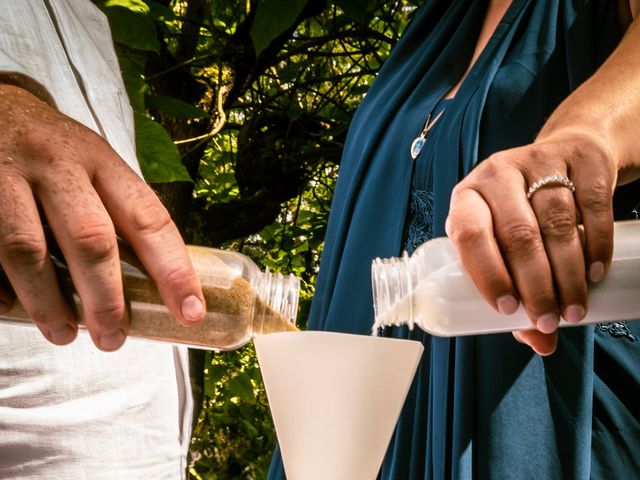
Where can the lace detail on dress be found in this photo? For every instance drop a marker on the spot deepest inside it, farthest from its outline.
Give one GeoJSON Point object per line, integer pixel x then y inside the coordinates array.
{"type": "Point", "coordinates": [617, 330]}
{"type": "Point", "coordinates": [419, 226]}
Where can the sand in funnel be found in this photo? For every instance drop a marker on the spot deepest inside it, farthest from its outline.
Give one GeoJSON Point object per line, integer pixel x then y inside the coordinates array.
{"type": "Point", "coordinates": [335, 399]}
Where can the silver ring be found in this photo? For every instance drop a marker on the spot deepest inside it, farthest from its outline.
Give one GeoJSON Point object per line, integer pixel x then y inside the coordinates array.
{"type": "Point", "coordinates": [550, 181]}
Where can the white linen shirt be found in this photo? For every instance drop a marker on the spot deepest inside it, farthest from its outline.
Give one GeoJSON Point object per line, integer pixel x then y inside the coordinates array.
{"type": "Point", "coordinates": [75, 412]}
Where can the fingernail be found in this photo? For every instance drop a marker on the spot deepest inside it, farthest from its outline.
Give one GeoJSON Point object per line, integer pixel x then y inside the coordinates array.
{"type": "Point", "coordinates": [112, 340]}
{"type": "Point", "coordinates": [62, 335]}
{"type": "Point", "coordinates": [574, 313]}
{"type": "Point", "coordinates": [548, 323]}
{"type": "Point", "coordinates": [192, 309]}
{"type": "Point", "coordinates": [596, 272]}
{"type": "Point", "coordinates": [507, 304]}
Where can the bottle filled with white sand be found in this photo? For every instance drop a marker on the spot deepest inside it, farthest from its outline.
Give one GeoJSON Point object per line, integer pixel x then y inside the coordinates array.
{"type": "Point", "coordinates": [431, 289]}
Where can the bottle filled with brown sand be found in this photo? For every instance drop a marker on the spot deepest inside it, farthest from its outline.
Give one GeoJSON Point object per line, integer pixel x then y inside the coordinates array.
{"type": "Point", "coordinates": [242, 301]}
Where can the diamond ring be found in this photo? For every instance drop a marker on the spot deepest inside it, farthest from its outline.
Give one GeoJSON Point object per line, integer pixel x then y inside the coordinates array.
{"type": "Point", "coordinates": [550, 181]}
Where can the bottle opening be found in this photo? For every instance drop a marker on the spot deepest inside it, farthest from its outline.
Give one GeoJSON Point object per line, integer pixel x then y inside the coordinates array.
{"type": "Point", "coordinates": [393, 280]}
{"type": "Point", "coordinates": [276, 303]}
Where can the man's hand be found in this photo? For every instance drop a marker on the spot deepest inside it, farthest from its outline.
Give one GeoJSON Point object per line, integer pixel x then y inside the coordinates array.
{"type": "Point", "coordinates": [54, 168]}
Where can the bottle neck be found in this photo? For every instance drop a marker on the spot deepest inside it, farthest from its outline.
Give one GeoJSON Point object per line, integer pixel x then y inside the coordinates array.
{"type": "Point", "coordinates": [276, 302]}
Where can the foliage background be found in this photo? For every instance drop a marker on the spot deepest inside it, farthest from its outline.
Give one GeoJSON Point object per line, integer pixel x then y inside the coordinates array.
{"type": "Point", "coordinates": [242, 108]}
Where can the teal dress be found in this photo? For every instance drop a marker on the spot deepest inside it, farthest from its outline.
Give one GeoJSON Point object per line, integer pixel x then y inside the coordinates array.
{"type": "Point", "coordinates": [480, 407]}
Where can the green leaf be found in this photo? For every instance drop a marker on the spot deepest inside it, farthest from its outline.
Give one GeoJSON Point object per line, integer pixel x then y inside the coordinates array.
{"type": "Point", "coordinates": [158, 155]}
{"type": "Point", "coordinates": [157, 11]}
{"type": "Point", "coordinates": [250, 429]}
{"type": "Point", "coordinates": [272, 18]}
{"type": "Point", "coordinates": [241, 387]}
{"type": "Point", "coordinates": [359, 10]}
{"type": "Point", "coordinates": [174, 107]}
{"type": "Point", "coordinates": [305, 216]}
{"type": "Point", "coordinates": [134, 5]}
{"type": "Point", "coordinates": [133, 82]}
{"type": "Point", "coordinates": [214, 374]}
{"type": "Point", "coordinates": [132, 28]}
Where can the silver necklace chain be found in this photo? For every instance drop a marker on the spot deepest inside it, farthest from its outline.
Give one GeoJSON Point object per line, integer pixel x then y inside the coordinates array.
{"type": "Point", "coordinates": [419, 142]}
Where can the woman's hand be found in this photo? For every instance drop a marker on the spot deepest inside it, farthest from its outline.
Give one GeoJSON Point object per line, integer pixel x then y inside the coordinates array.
{"type": "Point", "coordinates": [54, 168]}
{"type": "Point", "coordinates": [531, 250]}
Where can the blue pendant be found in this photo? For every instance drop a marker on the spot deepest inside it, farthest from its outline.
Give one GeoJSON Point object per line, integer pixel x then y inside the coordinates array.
{"type": "Point", "coordinates": [416, 146]}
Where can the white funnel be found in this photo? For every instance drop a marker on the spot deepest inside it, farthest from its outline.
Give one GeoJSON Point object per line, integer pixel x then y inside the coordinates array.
{"type": "Point", "coordinates": [335, 399]}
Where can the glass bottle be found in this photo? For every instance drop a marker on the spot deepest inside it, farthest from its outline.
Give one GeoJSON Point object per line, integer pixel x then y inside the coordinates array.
{"type": "Point", "coordinates": [430, 289]}
{"type": "Point", "coordinates": [242, 301]}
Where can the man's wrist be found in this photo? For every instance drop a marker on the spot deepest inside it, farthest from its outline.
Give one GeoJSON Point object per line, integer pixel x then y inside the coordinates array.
{"type": "Point", "coordinates": [27, 83]}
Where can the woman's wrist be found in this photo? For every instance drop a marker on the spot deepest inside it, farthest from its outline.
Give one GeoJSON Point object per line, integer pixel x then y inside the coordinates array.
{"type": "Point", "coordinates": [582, 139]}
